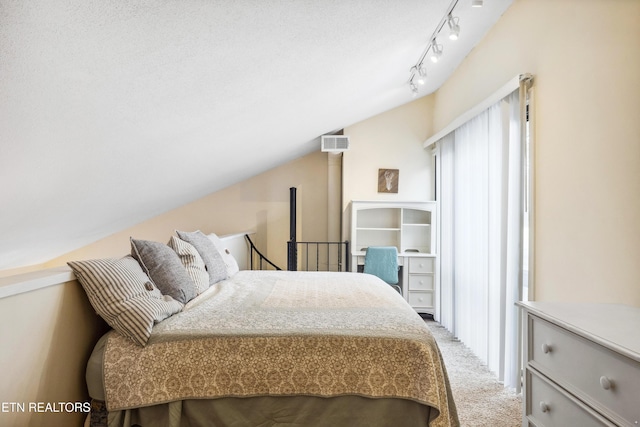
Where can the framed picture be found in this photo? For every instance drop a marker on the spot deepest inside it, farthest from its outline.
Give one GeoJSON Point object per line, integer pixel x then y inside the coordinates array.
{"type": "Point", "coordinates": [388, 180]}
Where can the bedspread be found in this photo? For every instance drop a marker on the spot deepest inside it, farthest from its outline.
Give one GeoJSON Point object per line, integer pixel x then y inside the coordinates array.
{"type": "Point", "coordinates": [283, 334]}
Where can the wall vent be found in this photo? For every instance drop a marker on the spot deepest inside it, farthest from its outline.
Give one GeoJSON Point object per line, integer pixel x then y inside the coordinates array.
{"type": "Point", "coordinates": [334, 143]}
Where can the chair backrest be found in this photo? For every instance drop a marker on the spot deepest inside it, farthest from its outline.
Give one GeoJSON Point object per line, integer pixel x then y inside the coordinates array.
{"type": "Point", "coordinates": [382, 261]}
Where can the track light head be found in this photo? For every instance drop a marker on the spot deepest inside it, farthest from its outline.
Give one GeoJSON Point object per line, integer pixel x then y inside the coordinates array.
{"type": "Point", "coordinates": [454, 27]}
{"type": "Point", "coordinates": [418, 74]}
{"type": "Point", "coordinates": [436, 51]}
{"type": "Point", "coordinates": [421, 76]}
{"type": "Point", "coordinates": [414, 89]}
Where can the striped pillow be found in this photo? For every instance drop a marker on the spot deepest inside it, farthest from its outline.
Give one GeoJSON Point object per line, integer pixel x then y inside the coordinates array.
{"type": "Point", "coordinates": [192, 262]}
{"type": "Point", "coordinates": [122, 294]}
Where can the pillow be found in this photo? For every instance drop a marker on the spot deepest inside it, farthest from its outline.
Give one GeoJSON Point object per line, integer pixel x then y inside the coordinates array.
{"type": "Point", "coordinates": [215, 265]}
{"type": "Point", "coordinates": [229, 260]}
{"type": "Point", "coordinates": [192, 263]}
{"type": "Point", "coordinates": [164, 268]}
{"type": "Point", "coordinates": [122, 294]}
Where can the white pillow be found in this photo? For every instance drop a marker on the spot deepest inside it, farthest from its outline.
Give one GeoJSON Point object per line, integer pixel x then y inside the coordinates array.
{"type": "Point", "coordinates": [229, 261]}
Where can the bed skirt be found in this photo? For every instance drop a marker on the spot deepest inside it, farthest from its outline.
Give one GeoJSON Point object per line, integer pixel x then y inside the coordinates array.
{"type": "Point", "coordinates": [308, 411]}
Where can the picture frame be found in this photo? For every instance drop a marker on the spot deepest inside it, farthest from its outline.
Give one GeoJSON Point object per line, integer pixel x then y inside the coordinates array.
{"type": "Point", "coordinates": [388, 180]}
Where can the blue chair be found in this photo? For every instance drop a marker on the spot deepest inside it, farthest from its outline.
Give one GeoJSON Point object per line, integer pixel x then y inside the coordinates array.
{"type": "Point", "coordinates": [382, 261]}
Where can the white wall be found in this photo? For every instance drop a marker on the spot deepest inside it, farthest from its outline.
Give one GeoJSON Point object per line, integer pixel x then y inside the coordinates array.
{"type": "Point", "coordinates": [585, 55]}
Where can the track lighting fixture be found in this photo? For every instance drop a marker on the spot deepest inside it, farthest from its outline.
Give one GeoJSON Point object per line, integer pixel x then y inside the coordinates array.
{"type": "Point", "coordinates": [454, 27]}
{"type": "Point", "coordinates": [418, 73]}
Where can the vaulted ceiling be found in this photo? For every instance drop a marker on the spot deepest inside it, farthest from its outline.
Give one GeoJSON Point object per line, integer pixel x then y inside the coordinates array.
{"type": "Point", "coordinates": [114, 112]}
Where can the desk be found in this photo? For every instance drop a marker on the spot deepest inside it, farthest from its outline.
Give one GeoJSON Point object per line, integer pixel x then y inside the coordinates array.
{"type": "Point", "coordinates": [417, 278]}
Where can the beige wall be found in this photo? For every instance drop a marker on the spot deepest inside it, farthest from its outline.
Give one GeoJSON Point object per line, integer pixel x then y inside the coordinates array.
{"type": "Point", "coordinates": [47, 336]}
{"type": "Point", "coordinates": [259, 204]}
{"type": "Point", "coordinates": [391, 140]}
{"type": "Point", "coordinates": [585, 55]}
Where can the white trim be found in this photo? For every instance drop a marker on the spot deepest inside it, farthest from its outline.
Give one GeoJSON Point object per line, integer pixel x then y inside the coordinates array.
{"type": "Point", "coordinates": [21, 283]}
{"type": "Point", "coordinates": [229, 237]}
{"type": "Point", "coordinates": [505, 90]}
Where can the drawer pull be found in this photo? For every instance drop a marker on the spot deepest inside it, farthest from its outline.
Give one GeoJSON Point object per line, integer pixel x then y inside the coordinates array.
{"type": "Point", "coordinates": [544, 407]}
{"type": "Point", "coordinates": [605, 383]}
{"type": "Point", "coordinates": [546, 348]}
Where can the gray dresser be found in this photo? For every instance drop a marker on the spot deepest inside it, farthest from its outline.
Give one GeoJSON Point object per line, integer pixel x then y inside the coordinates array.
{"type": "Point", "coordinates": [581, 364]}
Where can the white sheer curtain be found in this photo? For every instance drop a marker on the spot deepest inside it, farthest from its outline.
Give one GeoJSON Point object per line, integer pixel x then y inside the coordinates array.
{"type": "Point", "coordinates": [480, 168]}
{"type": "Point", "coordinates": [445, 237]}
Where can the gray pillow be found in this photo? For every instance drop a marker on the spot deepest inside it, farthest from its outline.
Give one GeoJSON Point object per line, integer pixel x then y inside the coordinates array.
{"type": "Point", "coordinates": [122, 294]}
{"type": "Point", "coordinates": [215, 264]}
{"type": "Point", "coordinates": [164, 268]}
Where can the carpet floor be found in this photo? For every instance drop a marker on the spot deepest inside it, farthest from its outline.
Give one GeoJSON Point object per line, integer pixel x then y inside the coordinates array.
{"type": "Point", "coordinates": [481, 400]}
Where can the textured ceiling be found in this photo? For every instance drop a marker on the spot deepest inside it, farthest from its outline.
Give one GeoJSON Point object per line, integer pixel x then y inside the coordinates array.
{"type": "Point", "coordinates": [114, 112]}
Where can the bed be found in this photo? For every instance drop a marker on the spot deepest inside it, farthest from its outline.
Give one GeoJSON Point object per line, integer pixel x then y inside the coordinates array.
{"type": "Point", "coordinates": [269, 348]}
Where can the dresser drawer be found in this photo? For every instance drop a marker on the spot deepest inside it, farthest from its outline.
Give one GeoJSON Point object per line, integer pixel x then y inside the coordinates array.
{"type": "Point", "coordinates": [607, 381]}
{"type": "Point", "coordinates": [421, 265]}
{"type": "Point", "coordinates": [549, 406]}
{"type": "Point", "coordinates": [420, 299]}
{"type": "Point", "coordinates": [420, 282]}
